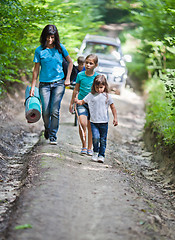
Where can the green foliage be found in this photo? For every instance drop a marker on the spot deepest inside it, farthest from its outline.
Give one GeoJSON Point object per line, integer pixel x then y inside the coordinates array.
{"type": "Point", "coordinates": [155, 28]}
{"type": "Point", "coordinates": [137, 70]}
{"type": "Point", "coordinates": [17, 26]}
{"type": "Point", "coordinates": [77, 23]}
{"type": "Point", "coordinates": [21, 23]}
{"type": "Point", "coordinates": [156, 19]}
{"type": "Point", "coordinates": [157, 35]}
{"type": "Point", "coordinates": [160, 116]}
{"type": "Point", "coordinates": [169, 82]}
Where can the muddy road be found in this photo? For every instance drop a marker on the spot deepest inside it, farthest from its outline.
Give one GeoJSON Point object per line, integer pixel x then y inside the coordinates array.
{"type": "Point", "coordinates": [68, 197]}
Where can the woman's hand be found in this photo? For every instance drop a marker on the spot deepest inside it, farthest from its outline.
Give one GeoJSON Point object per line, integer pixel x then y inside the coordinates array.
{"type": "Point", "coordinates": [67, 82]}
{"type": "Point", "coordinates": [34, 78]}
{"type": "Point", "coordinates": [32, 91]}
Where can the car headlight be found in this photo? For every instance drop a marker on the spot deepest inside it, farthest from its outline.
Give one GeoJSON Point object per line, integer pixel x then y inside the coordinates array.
{"type": "Point", "coordinates": [118, 71]}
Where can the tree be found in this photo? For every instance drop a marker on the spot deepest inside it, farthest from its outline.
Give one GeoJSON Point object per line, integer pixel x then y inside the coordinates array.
{"type": "Point", "coordinates": [20, 31]}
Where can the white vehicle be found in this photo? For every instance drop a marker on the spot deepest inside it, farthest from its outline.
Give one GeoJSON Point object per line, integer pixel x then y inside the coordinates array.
{"type": "Point", "coordinates": [111, 61]}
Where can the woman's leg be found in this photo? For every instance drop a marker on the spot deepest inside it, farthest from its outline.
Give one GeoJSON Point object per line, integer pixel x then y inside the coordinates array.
{"type": "Point", "coordinates": [57, 93]}
{"type": "Point", "coordinates": [45, 92]}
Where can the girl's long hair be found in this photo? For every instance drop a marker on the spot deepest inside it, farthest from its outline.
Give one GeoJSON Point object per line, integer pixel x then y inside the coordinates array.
{"type": "Point", "coordinates": [100, 79]}
{"type": "Point", "coordinates": [50, 30]}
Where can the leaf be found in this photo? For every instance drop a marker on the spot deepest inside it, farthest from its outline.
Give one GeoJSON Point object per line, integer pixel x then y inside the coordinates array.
{"type": "Point", "coordinates": [143, 210]}
{"type": "Point", "coordinates": [171, 49]}
{"type": "Point", "coordinates": [25, 226]}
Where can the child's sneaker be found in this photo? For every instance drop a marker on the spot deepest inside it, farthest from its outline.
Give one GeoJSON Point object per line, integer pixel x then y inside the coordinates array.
{"type": "Point", "coordinates": [53, 141]}
{"type": "Point", "coordinates": [101, 159]}
{"type": "Point", "coordinates": [94, 157]}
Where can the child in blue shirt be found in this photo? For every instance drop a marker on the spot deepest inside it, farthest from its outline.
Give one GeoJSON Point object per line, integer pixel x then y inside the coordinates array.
{"type": "Point", "coordinates": [83, 86]}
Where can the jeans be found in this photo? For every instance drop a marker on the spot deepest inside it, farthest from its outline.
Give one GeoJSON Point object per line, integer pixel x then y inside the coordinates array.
{"type": "Point", "coordinates": [51, 95]}
{"type": "Point", "coordinates": [99, 137]}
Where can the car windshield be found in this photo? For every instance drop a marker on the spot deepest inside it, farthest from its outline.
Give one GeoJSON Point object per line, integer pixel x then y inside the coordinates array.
{"type": "Point", "coordinates": [105, 51]}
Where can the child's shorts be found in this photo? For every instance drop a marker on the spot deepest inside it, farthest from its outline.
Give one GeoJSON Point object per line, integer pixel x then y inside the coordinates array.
{"type": "Point", "coordinates": [83, 110]}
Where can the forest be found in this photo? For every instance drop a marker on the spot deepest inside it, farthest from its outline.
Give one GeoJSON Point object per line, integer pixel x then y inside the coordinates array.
{"type": "Point", "coordinates": [152, 67]}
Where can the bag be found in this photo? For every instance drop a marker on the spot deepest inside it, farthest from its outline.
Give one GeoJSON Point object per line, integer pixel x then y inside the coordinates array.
{"type": "Point", "coordinates": [74, 70]}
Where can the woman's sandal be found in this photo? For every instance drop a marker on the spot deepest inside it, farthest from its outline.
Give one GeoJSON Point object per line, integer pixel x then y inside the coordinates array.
{"type": "Point", "coordinates": [84, 151]}
{"type": "Point", "coordinates": [89, 152]}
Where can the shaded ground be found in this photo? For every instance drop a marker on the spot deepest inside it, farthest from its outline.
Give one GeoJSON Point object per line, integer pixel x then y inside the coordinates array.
{"type": "Point", "coordinates": [17, 138]}
{"type": "Point", "coordinates": [69, 197]}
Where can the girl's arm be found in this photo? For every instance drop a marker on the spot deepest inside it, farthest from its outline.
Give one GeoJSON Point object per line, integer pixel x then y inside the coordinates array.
{"type": "Point", "coordinates": [79, 102]}
{"type": "Point", "coordinates": [69, 70]}
{"type": "Point", "coordinates": [74, 95]}
{"type": "Point", "coordinates": [34, 78]}
{"type": "Point", "coordinates": [114, 112]}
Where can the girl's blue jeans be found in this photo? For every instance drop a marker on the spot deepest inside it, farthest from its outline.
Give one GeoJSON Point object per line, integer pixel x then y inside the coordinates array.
{"type": "Point", "coordinates": [99, 137]}
{"type": "Point", "coordinates": [51, 95]}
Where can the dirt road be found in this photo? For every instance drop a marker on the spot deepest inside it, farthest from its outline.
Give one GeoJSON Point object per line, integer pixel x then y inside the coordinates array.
{"type": "Point", "coordinates": [68, 197]}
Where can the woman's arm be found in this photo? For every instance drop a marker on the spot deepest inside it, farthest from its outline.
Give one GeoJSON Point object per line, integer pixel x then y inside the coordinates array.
{"type": "Point", "coordinates": [114, 112]}
{"type": "Point", "coordinates": [34, 78]}
{"type": "Point", "coordinates": [74, 95]}
{"type": "Point", "coordinates": [69, 70]}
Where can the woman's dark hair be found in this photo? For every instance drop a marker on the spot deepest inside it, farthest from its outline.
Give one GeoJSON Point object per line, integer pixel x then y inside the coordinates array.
{"type": "Point", "coordinates": [99, 79]}
{"type": "Point", "coordinates": [50, 30]}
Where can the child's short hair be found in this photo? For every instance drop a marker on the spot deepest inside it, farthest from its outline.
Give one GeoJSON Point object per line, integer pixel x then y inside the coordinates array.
{"type": "Point", "coordinates": [92, 56]}
{"type": "Point", "coordinates": [99, 79]}
{"type": "Point", "coordinates": [80, 60]}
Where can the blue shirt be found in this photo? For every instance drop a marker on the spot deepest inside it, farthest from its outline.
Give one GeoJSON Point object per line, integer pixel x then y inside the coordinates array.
{"type": "Point", "coordinates": [51, 63]}
{"type": "Point", "coordinates": [85, 83]}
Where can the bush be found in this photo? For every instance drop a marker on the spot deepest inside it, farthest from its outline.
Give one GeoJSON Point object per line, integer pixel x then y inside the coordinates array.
{"type": "Point", "coordinates": [160, 116]}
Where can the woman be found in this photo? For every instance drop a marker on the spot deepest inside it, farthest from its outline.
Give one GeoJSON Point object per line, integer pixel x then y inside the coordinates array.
{"type": "Point", "coordinates": [48, 65]}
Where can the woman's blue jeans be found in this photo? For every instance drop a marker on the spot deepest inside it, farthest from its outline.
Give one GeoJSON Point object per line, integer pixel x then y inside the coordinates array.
{"type": "Point", "coordinates": [99, 137]}
{"type": "Point", "coordinates": [51, 95]}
